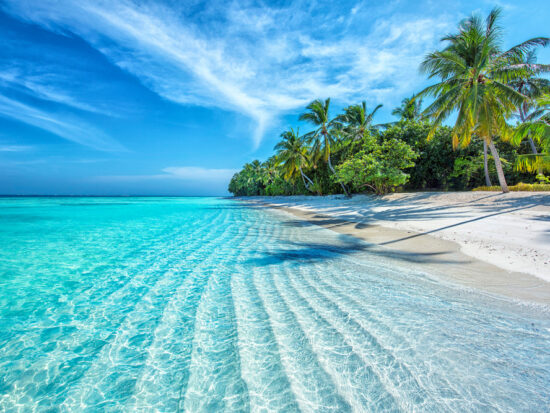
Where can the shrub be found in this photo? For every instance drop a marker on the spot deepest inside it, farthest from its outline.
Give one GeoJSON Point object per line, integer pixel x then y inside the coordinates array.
{"type": "Point", "coordinates": [521, 187]}
{"type": "Point", "coordinates": [378, 165]}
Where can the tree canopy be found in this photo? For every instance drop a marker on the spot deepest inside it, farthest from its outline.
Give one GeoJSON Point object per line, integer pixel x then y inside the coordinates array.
{"type": "Point", "coordinates": [485, 87]}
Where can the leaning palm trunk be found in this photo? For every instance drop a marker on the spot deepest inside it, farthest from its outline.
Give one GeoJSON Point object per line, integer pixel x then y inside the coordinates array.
{"type": "Point", "coordinates": [533, 147]}
{"type": "Point", "coordinates": [498, 165]}
{"type": "Point", "coordinates": [304, 177]}
{"type": "Point", "coordinates": [304, 181]}
{"type": "Point", "coordinates": [485, 165]}
{"type": "Point", "coordinates": [334, 172]}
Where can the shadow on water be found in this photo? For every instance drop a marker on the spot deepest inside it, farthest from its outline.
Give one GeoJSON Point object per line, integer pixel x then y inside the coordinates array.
{"type": "Point", "coordinates": [310, 252]}
{"type": "Point", "coordinates": [315, 252]}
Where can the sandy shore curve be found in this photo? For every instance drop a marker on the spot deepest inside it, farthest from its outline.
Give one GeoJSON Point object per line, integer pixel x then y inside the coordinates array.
{"type": "Point", "coordinates": [499, 243]}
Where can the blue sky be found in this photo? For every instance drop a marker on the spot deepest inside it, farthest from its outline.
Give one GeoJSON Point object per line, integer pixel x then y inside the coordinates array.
{"type": "Point", "coordinates": [139, 97]}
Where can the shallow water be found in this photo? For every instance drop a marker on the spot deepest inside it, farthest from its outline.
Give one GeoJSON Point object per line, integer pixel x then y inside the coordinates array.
{"type": "Point", "coordinates": [204, 304]}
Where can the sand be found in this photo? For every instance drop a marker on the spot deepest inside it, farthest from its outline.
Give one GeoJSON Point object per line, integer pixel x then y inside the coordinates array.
{"type": "Point", "coordinates": [496, 242]}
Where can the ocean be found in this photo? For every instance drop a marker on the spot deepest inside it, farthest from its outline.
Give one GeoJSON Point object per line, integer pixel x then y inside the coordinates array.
{"type": "Point", "coordinates": [209, 304]}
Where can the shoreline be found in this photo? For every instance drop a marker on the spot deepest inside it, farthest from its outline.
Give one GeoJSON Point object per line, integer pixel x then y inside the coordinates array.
{"type": "Point", "coordinates": [442, 257]}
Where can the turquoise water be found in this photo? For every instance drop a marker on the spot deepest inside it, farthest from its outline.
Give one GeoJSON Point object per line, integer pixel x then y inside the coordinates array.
{"type": "Point", "coordinates": [203, 304]}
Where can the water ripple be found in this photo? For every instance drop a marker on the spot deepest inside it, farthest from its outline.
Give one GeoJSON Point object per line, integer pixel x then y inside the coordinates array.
{"type": "Point", "coordinates": [204, 304]}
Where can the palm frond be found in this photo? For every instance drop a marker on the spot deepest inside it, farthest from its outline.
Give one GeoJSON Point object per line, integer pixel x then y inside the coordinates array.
{"type": "Point", "coordinates": [523, 49]}
{"type": "Point", "coordinates": [533, 162]}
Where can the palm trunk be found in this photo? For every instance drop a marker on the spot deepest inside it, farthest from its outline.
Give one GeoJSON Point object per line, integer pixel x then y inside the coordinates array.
{"type": "Point", "coordinates": [304, 177]}
{"type": "Point", "coordinates": [485, 165]}
{"type": "Point", "coordinates": [533, 147]}
{"type": "Point", "coordinates": [303, 180]}
{"type": "Point", "coordinates": [334, 172]}
{"type": "Point", "coordinates": [498, 165]}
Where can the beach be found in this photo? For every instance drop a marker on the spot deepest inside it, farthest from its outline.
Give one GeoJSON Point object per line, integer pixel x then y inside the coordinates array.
{"type": "Point", "coordinates": [491, 241]}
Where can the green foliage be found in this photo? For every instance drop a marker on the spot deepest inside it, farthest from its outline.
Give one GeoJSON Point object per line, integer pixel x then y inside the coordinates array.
{"type": "Point", "coordinates": [409, 109]}
{"type": "Point", "coordinates": [436, 157]}
{"type": "Point", "coordinates": [437, 166]}
{"type": "Point", "coordinates": [468, 170]}
{"type": "Point", "coordinates": [536, 127]}
{"type": "Point", "coordinates": [257, 179]}
{"type": "Point", "coordinates": [378, 165]}
{"type": "Point", "coordinates": [474, 74]}
{"type": "Point", "coordinates": [521, 187]}
{"type": "Point", "coordinates": [478, 82]}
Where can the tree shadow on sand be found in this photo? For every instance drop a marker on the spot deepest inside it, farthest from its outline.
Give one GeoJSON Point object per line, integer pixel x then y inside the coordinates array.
{"type": "Point", "coordinates": [416, 207]}
{"type": "Point", "coordinates": [364, 216]}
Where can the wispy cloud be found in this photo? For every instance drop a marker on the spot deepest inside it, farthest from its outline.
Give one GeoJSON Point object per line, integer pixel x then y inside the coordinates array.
{"type": "Point", "coordinates": [258, 61]}
{"type": "Point", "coordinates": [183, 173]}
{"type": "Point", "coordinates": [47, 86]}
{"type": "Point", "coordinates": [63, 125]}
{"type": "Point", "coordinates": [15, 148]}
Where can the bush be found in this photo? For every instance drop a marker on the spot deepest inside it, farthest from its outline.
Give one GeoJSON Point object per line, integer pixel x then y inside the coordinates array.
{"type": "Point", "coordinates": [378, 165]}
{"type": "Point", "coordinates": [521, 187]}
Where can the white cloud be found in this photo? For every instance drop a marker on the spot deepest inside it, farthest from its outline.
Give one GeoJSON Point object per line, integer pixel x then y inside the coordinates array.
{"type": "Point", "coordinates": [41, 81]}
{"type": "Point", "coordinates": [15, 148]}
{"type": "Point", "coordinates": [183, 173]}
{"type": "Point", "coordinates": [62, 125]}
{"type": "Point", "coordinates": [260, 62]}
{"type": "Point", "coordinates": [194, 173]}
{"type": "Point", "coordinates": [40, 87]}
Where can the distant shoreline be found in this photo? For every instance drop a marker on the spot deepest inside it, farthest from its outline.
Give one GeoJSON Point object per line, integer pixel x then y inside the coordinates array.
{"type": "Point", "coordinates": [435, 250]}
{"type": "Point", "coordinates": [115, 196]}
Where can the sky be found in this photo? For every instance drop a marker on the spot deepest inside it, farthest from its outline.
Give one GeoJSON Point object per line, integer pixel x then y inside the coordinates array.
{"type": "Point", "coordinates": [125, 97]}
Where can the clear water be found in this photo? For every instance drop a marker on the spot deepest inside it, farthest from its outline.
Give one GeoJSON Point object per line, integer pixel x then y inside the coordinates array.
{"type": "Point", "coordinates": [203, 304]}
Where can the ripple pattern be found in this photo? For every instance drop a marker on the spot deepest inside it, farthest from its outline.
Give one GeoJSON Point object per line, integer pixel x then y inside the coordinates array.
{"type": "Point", "coordinates": [205, 304]}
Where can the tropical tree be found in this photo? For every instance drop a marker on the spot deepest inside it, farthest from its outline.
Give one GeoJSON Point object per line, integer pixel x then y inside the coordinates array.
{"type": "Point", "coordinates": [356, 122]}
{"type": "Point", "coordinates": [537, 127]}
{"type": "Point", "coordinates": [474, 74]}
{"type": "Point", "coordinates": [271, 171]}
{"type": "Point", "coordinates": [532, 86]}
{"type": "Point", "coordinates": [486, 164]}
{"type": "Point", "coordinates": [292, 155]}
{"type": "Point", "coordinates": [253, 176]}
{"type": "Point", "coordinates": [318, 115]}
{"type": "Point", "coordinates": [249, 181]}
{"type": "Point", "coordinates": [410, 109]}
{"type": "Point", "coordinates": [378, 165]}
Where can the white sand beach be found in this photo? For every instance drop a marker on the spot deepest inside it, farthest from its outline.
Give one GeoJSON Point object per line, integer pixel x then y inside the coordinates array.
{"type": "Point", "coordinates": [509, 231]}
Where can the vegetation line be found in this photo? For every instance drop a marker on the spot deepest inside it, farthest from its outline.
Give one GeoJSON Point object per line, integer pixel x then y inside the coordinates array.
{"type": "Point", "coordinates": [485, 87]}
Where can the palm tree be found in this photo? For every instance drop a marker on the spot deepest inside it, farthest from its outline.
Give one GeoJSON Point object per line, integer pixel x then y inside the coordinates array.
{"type": "Point", "coordinates": [356, 121]}
{"type": "Point", "coordinates": [292, 153]}
{"type": "Point", "coordinates": [486, 165]}
{"type": "Point", "coordinates": [537, 127]}
{"type": "Point", "coordinates": [532, 87]}
{"type": "Point", "coordinates": [409, 109]}
{"type": "Point", "coordinates": [270, 170]}
{"type": "Point", "coordinates": [253, 176]}
{"type": "Point", "coordinates": [318, 115]}
{"type": "Point", "coordinates": [474, 75]}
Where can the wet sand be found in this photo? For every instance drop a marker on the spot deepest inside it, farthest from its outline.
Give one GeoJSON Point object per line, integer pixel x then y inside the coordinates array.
{"type": "Point", "coordinates": [440, 257]}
